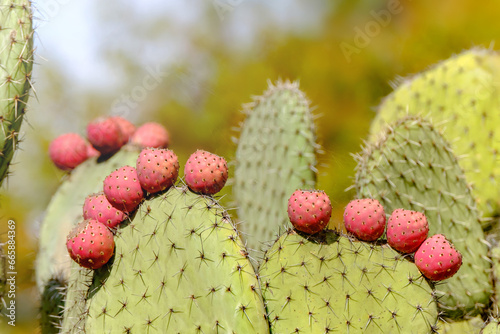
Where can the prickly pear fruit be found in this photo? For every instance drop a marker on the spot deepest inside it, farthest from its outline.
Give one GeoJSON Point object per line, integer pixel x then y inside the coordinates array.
{"type": "Point", "coordinates": [123, 190]}
{"type": "Point", "coordinates": [365, 219]}
{"type": "Point", "coordinates": [126, 127]}
{"type": "Point", "coordinates": [406, 230]}
{"type": "Point", "coordinates": [92, 152]}
{"type": "Point", "coordinates": [309, 210]}
{"type": "Point", "coordinates": [97, 207]}
{"type": "Point", "coordinates": [205, 172]}
{"type": "Point", "coordinates": [151, 135]}
{"type": "Point", "coordinates": [157, 169]}
{"type": "Point", "coordinates": [105, 135]}
{"type": "Point", "coordinates": [90, 244]}
{"type": "Point", "coordinates": [437, 259]}
{"type": "Point", "coordinates": [68, 151]}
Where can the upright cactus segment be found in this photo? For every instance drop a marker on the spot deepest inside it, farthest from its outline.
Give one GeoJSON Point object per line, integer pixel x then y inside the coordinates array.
{"type": "Point", "coordinates": [413, 167]}
{"type": "Point", "coordinates": [276, 155]}
{"type": "Point", "coordinates": [462, 97]}
{"type": "Point", "coordinates": [339, 285]}
{"type": "Point", "coordinates": [469, 326]}
{"type": "Point", "coordinates": [179, 267]}
{"type": "Point", "coordinates": [52, 305]}
{"type": "Point", "coordinates": [16, 62]}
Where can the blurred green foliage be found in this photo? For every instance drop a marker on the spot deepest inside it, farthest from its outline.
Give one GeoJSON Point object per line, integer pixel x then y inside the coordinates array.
{"type": "Point", "coordinates": [199, 99]}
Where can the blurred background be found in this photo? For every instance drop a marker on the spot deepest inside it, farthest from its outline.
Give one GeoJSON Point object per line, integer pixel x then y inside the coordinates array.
{"type": "Point", "coordinates": [191, 64]}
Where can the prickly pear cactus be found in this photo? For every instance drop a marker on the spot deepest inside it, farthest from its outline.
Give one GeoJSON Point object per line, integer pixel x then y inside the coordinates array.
{"type": "Point", "coordinates": [470, 326]}
{"type": "Point", "coordinates": [333, 284]}
{"type": "Point", "coordinates": [179, 267]}
{"type": "Point", "coordinates": [16, 62]}
{"type": "Point", "coordinates": [462, 98]}
{"type": "Point", "coordinates": [65, 211]}
{"type": "Point", "coordinates": [52, 305]}
{"type": "Point", "coordinates": [276, 155]}
{"type": "Point", "coordinates": [492, 327]}
{"type": "Point", "coordinates": [413, 167]}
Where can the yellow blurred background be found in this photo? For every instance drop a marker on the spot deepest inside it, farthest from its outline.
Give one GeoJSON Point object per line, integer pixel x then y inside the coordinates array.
{"type": "Point", "coordinates": [202, 61]}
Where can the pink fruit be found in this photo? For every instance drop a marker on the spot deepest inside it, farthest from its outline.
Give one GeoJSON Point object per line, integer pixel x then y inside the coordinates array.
{"type": "Point", "coordinates": [68, 151]}
{"type": "Point", "coordinates": [309, 210]}
{"type": "Point", "coordinates": [151, 135]}
{"type": "Point", "coordinates": [97, 207]}
{"type": "Point", "coordinates": [90, 244]}
{"type": "Point", "coordinates": [123, 190]}
{"type": "Point", "coordinates": [437, 259]}
{"type": "Point", "coordinates": [205, 172]}
{"type": "Point", "coordinates": [92, 152]}
{"type": "Point", "coordinates": [157, 169]}
{"type": "Point", "coordinates": [406, 230]}
{"type": "Point", "coordinates": [365, 218]}
{"type": "Point", "coordinates": [105, 135]}
{"type": "Point", "coordinates": [126, 127]}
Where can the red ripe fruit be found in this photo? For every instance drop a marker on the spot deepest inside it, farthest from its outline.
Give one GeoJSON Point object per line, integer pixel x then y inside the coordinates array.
{"type": "Point", "coordinates": [105, 135]}
{"type": "Point", "coordinates": [205, 172]}
{"type": "Point", "coordinates": [126, 127]}
{"type": "Point", "coordinates": [406, 230]}
{"type": "Point", "coordinates": [123, 190]}
{"type": "Point", "coordinates": [151, 135]}
{"type": "Point", "coordinates": [365, 219]}
{"type": "Point", "coordinates": [437, 259]}
{"type": "Point", "coordinates": [309, 210]}
{"type": "Point", "coordinates": [68, 151]}
{"type": "Point", "coordinates": [90, 244]}
{"type": "Point", "coordinates": [157, 169]}
{"type": "Point", "coordinates": [97, 207]}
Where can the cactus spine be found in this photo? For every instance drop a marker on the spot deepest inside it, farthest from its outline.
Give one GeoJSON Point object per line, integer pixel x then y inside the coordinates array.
{"type": "Point", "coordinates": [276, 155]}
{"type": "Point", "coordinates": [413, 167]}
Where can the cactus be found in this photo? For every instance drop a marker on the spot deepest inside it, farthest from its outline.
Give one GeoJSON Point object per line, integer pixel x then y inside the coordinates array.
{"type": "Point", "coordinates": [492, 327]}
{"type": "Point", "coordinates": [462, 98]}
{"type": "Point", "coordinates": [276, 155]}
{"type": "Point", "coordinates": [469, 326]}
{"type": "Point", "coordinates": [333, 284]}
{"type": "Point", "coordinates": [16, 62]}
{"type": "Point", "coordinates": [52, 305]}
{"type": "Point", "coordinates": [179, 266]}
{"type": "Point", "coordinates": [412, 166]}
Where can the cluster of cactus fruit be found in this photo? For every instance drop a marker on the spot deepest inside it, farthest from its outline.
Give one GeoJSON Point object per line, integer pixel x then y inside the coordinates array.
{"type": "Point", "coordinates": [153, 254]}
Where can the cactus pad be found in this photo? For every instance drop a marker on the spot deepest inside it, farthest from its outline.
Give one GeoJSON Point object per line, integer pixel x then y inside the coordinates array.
{"type": "Point", "coordinates": [16, 63]}
{"type": "Point", "coordinates": [413, 167]}
{"type": "Point", "coordinates": [334, 284]}
{"type": "Point", "coordinates": [179, 267]}
{"type": "Point", "coordinates": [276, 155]}
{"type": "Point", "coordinates": [462, 98]}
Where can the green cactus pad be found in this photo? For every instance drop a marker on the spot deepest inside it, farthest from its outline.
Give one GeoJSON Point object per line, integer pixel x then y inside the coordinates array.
{"type": "Point", "coordinates": [335, 284]}
{"type": "Point", "coordinates": [462, 98]}
{"type": "Point", "coordinates": [413, 167]}
{"type": "Point", "coordinates": [16, 63]}
{"type": "Point", "coordinates": [492, 327]}
{"type": "Point", "coordinates": [276, 155]}
{"type": "Point", "coordinates": [65, 210]}
{"type": "Point", "coordinates": [52, 305]}
{"type": "Point", "coordinates": [179, 267]}
{"type": "Point", "coordinates": [470, 326]}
